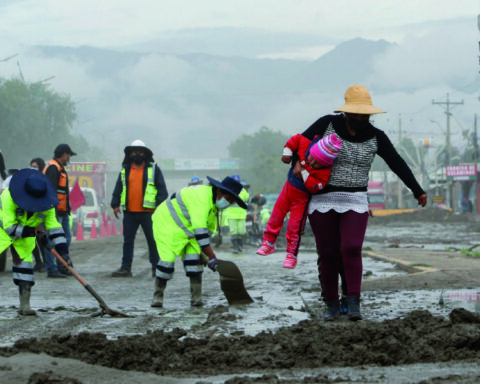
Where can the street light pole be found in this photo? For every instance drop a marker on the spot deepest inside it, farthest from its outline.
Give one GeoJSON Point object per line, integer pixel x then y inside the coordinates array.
{"type": "Point", "coordinates": [448, 146]}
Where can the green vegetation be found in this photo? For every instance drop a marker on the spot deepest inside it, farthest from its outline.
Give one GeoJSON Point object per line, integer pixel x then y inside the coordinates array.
{"type": "Point", "coordinates": [260, 163]}
{"type": "Point", "coordinates": [33, 120]}
{"type": "Point", "coordinates": [468, 252]}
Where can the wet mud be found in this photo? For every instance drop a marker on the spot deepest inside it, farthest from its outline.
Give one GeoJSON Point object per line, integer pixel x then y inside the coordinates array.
{"type": "Point", "coordinates": [407, 335]}
{"type": "Point", "coordinates": [417, 338]}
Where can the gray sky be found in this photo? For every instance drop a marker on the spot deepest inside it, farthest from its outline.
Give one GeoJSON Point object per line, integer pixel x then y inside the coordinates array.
{"type": "Point", "coordinates": [112, 23]}
{"type": "Point", "coordinates": [437, 47]}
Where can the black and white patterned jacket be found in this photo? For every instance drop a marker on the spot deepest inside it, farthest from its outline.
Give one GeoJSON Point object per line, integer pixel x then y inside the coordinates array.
{"type": "Point", "coordinates": [352, 166]}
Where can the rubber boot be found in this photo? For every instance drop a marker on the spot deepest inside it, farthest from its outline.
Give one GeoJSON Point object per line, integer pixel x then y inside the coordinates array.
{"type": "Point", "coordinates": [343, 305]}
{"type": "Point", "coordinates": [160, 285]}
{"type": "Point", "coordinates": [240, 244]}
{"type": "Point", "coordinates": [24, 309]}
{"type": "Point", "coordinates": [196, 290]}
{"type": "Point", "coordinates": [235, 245]}
{"type": "Point", "coordinates": [354, 308]}
{"type": "Point", "coordinates": [332, 310]}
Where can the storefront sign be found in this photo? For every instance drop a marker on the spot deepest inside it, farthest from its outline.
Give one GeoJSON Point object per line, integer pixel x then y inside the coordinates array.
{"type": "Point", "coordinates": [461, 172]}
{"type": "Point", "coordinates": [90, 175]}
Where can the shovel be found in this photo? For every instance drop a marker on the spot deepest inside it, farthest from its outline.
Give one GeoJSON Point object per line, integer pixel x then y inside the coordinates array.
{"type": "Point", "coordinates": [104, 307]}
{"type": "Point", "coordinates": [231, 281]}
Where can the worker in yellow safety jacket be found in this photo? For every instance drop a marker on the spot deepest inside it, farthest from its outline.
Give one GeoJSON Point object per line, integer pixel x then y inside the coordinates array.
{"type": "Point", "coordinates": [265, 214]}
{"type": "Point", "coordinates": [29, 201]}
{"type": "Point", "coordinates": [181, 227]}
{"type": "Point", "coordinates": [236, 219]}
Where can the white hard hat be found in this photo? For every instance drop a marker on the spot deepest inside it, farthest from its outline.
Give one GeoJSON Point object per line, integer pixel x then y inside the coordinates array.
{"type": "Point", "coordinates": [137, 144]}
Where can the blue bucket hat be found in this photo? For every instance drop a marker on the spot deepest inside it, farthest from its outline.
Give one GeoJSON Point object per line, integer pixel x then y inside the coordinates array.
{"type": "Point", "coordinates": [231, 186]}
{"type": "Point", "coordinates": [32, 191]}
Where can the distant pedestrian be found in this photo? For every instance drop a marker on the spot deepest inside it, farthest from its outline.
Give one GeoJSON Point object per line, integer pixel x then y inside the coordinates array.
{"type": "Point", "coordinates": [37, 163]}
{"type": "Point", "coordinates": [139, 189]}
{"type": "Point", "coordinates": [57, 174]}
{"type": "Point", "coordinates": [3, 174]}
{"type": "Point", "coordinates": [236, 218]}
{"type": "Point", "coordinates": [338, 214]}
{"type": "Point", "coordinates": [195, 180]}
{"type": "Point", "coordinates": [6, 182]}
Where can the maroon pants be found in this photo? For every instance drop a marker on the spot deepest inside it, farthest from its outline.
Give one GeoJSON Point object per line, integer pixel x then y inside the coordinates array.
{"type": "Point", "coordinates": [339, 236]}
{"type": "Point", "coordinates": [291, 200]}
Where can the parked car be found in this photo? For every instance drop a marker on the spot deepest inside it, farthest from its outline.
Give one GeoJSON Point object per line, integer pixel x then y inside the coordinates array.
{"type": "Point", "coordinates": [90, 212]}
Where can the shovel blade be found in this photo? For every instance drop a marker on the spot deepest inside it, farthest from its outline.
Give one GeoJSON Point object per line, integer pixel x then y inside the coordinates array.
{"type": "Point", "coordinates": [231, 283]}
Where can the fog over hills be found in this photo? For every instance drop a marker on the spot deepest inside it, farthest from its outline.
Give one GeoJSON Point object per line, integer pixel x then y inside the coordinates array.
{"type": "Point", "coordinates": [191, 103]}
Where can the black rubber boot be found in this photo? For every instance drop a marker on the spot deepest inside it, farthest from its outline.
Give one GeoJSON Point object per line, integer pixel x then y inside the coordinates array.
{"type": "Point", "coordinates": [235, 245]}
{"type": "Point", "coordinates": [24, 309]}
{"type": "Point", "coordinates": [196, 290]}
{"type": "Point", "coordinates": [160, 285]}
{"type": "Point", "coordinates": [332, 312]}
{"type": "Point", "coordinates": [240, 244]}
{"type": "Point", "coordinates": [354, 308]}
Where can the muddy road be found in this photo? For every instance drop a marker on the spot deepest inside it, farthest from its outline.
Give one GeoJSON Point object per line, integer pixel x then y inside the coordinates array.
{"type": "Point", "coordinates": [420, 305]}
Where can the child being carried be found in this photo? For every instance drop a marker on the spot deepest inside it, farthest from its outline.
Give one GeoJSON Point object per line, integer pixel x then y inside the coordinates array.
{"type": "Point", "coordinates": [316, 157]}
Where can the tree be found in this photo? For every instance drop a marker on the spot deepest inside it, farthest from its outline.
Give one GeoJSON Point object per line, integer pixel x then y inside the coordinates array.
{"type": "Point", "coordinates": [259, 155]}
{"type": "Point", "coordinates": [33, 121]}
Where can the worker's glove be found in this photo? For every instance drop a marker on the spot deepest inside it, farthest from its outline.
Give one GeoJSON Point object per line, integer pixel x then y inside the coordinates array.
{"type": "Point", "coordinates": [67, 258]}
{"type": "Point", "coordinates": [62, 249]}
{"type": "Point", "coordinates": [212, 264]}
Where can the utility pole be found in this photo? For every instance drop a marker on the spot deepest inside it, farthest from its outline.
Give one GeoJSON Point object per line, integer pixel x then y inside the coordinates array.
{"type": "Point", "coordinates": [448, 147]}
{"type": "Point", "coordinates": [475, 159]}
{"type": "Point", "coordinates": [400, 185]}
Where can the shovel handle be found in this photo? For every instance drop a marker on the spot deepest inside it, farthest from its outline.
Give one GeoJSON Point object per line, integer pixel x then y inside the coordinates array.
{"type": "Point", "coordinates": [70, 269]}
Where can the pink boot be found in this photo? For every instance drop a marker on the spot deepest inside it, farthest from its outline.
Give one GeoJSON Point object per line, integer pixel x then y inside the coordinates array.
{"type": "Point", "coordinates": [266, 249]}
{"type": "Point", "coordinates": [290, 261]}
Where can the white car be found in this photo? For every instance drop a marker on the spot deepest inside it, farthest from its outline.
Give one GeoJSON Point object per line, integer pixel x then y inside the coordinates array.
{"type": "Point", "coordinates": [91, 211]}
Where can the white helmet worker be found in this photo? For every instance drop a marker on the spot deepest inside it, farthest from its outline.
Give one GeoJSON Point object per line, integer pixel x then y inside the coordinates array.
{"type": "Point", "coordinates": [138, 145]}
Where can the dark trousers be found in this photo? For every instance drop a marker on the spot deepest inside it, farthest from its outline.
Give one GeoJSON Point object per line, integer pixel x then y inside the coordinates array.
{"type": "Point", "coordinates": [339, 236]}
{"type": "Point", "coordinates": [131, 222]}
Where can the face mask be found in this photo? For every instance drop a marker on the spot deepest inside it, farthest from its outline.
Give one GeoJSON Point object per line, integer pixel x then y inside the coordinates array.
{"type": "Point", "coordinates": [222, 203]}
{"type": "Point", "coordinates": [358, 125]}
{"type": "Point", "coordinates": [138, 159]}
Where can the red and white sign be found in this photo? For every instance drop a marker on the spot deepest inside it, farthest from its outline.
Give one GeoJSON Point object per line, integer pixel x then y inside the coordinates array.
{"type": "Point", "coordinates": [461, 172]}
{"type": "Point", "coordinates": [90, 175]}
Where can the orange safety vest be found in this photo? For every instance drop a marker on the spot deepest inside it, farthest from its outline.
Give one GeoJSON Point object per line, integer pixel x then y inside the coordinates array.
{"type": "Point", "coordinates": [62, 187]}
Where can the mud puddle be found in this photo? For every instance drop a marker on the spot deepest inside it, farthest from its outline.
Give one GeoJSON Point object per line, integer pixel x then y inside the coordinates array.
{"type": "Point", "coordinates": [65, 307]}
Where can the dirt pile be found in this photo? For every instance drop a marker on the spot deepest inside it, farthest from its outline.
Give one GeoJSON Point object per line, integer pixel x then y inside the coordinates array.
{"type": "Point", "coordinates": [419, 337]}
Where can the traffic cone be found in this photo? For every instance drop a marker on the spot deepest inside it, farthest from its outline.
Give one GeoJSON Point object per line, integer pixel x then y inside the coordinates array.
{"type": "Point", "coordinates": [109, 227]}
{"type": "Point", "coordinates": [79, 235]}
{"type": "Point", "coordinates": [103, 230]}
{"type": "Point", "coordinates": [93, 231]}
{"type": "Point", "coordinates": [114, 228]}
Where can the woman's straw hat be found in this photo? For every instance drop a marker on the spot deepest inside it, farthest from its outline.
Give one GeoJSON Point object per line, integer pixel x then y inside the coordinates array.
{"type": "Point", "coordinates": [358, 100]}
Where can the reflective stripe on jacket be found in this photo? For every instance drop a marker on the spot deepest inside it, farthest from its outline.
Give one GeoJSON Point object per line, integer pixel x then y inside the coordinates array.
{"type": "Point", "coordinates": [14, 219]}
{"type": "Point", "coordinates": [149, 193]}
{"type": "Point", "coordinates": [189, 214]}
